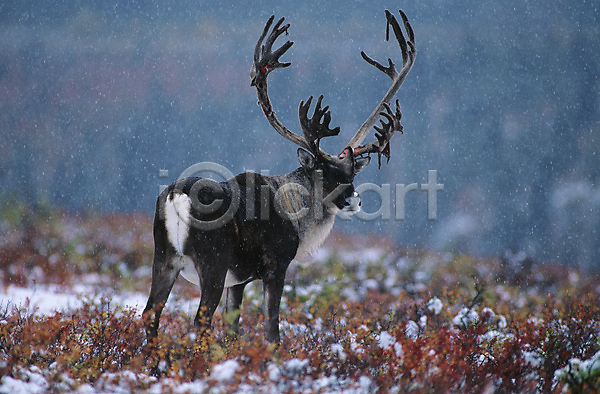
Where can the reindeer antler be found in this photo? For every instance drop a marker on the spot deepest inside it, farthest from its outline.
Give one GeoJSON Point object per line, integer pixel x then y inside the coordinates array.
{"type": "Point", "coordinates": [317, 127]}
{"type": "Point", "coordinates": [265, 61]}
{"type": "Point", "coordinates": [313, 129]}
{"type": "Point", "coordinates": [409, 52]}
{"type": "Point", "coordinates": [384, 134]}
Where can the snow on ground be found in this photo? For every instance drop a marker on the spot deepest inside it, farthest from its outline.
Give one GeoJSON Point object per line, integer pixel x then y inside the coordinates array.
{"type": "Point", "coordinates": [47, 299]}
{"type": "Point", "coordinates": [42, 300]}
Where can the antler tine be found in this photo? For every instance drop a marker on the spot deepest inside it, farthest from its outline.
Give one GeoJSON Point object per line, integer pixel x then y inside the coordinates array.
{"type": "Point", "coordinates": [276, 32]}
{"type": "Point", "coordinates": [384, 133]}
{"type": "Point", "coordinates": [265, 60]}
{"type": "Point", "coordinates": [314, 129]}
{"type": "Point", "coordinates": [409, 52]}
{"type": "Point", "coordinates": [257, 48]}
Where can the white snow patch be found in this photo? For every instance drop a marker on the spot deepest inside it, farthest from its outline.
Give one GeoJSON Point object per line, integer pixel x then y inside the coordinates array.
{"type": "Point", "coordinates": [30, 381]}
{"type": "Point", "coordinates": [274, 372]}
{"type": "Point", "coordinates": [295, 367]}
{"type": "Point", "coordinates": [411, 330]}
{"type": "Point", "coordinates": [386, 341]}
{"type": "Point", "coordinates": [578, 371]}
{"type": "Point", "coordinates": [435, 305]}
{"type": "Point", "coordinates": [39, 299]}
{"type": "Point", "coordinates": [48, 299]}
{"type": "Point", "coordinates": [338, 350]}
{"type": "Point", "coordinates": [365, 385]}
{"type": "Point", "coordinates": [121, 382]}
{"type": "Point", "coordinates": [465, 318]}
{"type": "Point", "coordinates": [533, 359]}
{"type": "Point", "coordinates": [197, 386]}
{"type": "Point", "coordinates": [225, 372]}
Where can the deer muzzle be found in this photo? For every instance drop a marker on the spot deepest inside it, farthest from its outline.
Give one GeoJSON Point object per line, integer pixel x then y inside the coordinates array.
{"type": "Point", "coordinates": [353, 203]}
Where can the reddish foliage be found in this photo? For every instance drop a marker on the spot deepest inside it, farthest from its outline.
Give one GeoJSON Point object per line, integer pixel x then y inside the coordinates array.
{"type": "Point", "coordinates": [510, 336]}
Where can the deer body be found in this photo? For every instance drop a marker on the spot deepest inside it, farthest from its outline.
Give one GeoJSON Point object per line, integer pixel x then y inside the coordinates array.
{"type": "Point", "coordinates": [227, 234]}
{"type": "Point", "coordinates": [258, 241]}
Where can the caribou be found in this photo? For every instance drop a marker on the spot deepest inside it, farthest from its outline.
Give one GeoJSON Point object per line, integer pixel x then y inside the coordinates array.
{"type": "Point", "coordinates": [227, 234]}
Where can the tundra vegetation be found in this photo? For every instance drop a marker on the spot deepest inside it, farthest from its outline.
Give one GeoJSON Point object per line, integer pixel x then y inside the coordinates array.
{"type": "Point", "coordinates": [361, 313]}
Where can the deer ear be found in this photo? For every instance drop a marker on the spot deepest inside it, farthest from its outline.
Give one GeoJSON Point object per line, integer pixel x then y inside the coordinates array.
{"type": "Point", "coordinates": [361, 163]}
{"type": "Point", "coordinates": [306, 159]}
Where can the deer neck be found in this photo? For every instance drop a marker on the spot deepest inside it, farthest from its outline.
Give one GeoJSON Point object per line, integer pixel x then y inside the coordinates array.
{"type": "Point", "coordinates": [299, 194]}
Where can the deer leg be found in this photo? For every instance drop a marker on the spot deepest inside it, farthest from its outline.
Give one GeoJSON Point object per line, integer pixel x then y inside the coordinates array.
{"type": "Point", "coordinates": [212, 283]}
{"type": "Point", "coordinates": [164, 274]}
{"type": "Point", "coordinates": [235, 295]}
{"type": "Point", "coordinates": [273, 290]}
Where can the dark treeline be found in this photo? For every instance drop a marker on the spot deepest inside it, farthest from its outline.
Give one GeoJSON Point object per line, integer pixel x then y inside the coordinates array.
{"type": "Point", "coordinates": [97, 97]}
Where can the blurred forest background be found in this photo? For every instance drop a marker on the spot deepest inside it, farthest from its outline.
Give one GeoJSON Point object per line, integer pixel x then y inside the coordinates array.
{"type": "Point", "coordinates": [504, 102]}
